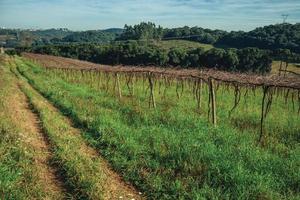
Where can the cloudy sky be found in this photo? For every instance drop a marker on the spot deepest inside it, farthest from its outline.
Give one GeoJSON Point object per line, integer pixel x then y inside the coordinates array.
{"type": "Point", "coordinates": [100, 14]}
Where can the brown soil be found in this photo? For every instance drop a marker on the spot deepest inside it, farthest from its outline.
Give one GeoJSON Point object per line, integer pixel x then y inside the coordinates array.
{"type": "Point", "coordinates": [115, 187]}
{"type": "Point", "coordinates": [32, 135]}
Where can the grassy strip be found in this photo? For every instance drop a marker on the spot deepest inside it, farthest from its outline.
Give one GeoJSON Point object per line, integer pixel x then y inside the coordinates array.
{"type": "Point", "coordinates": [172, 154]}
{"type": "Point", "coordinates": [17, 169]}
{"type": "Point", "coordinates": [81, 171]}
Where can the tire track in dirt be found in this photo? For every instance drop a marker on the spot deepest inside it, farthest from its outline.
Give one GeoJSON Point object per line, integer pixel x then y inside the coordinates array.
{"type": "Point", "coordinates": [32, 134]}
{"type": "Point", "coordinates": [115, 187]}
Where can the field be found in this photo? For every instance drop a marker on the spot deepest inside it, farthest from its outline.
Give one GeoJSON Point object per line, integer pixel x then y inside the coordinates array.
{"type": "Point", "coordinates": [293, 67]}
{"type": "Point", "coordinates": [184, 44]}
{"type": "Point", "coordinates": [43, 156]}
{"type": "Point", "coordinates": [170, 137]}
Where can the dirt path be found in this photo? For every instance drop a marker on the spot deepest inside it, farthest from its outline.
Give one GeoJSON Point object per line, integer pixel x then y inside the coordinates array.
{"type": "Point", "coordinates": [28, 122]}
{"type": "Point", "coordinates": [115, 187]}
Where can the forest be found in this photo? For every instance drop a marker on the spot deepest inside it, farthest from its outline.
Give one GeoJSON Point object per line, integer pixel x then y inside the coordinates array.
{"type": "Point", "coordinates": [12, 38]}
{"type": "Point", "coordinates": [278, 36]}
{"type": "Point", "coordinates": [134, 53]}
{"type": "Point", "coordinates": [134, 45]}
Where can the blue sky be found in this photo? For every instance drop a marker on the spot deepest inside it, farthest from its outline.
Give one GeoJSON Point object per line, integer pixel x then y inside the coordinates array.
{"type": "Point", "coordinates": [100, 14]}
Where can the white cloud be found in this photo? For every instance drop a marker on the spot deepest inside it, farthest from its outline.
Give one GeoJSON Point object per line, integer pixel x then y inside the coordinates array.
{"type": "Point", "coordinates": [95, 14]}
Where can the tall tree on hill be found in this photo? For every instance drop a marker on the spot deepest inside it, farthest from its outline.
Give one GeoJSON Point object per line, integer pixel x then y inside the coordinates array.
{"type": "Point", "coordinates": [142, 31]}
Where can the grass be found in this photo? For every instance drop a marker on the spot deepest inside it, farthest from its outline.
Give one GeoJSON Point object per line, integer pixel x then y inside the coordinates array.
{"type": "Point", "coordinates": [81, 172]}
{"type": "Point", "coordinates": [17, 167]}
{"type": "Point", "coordinates": [185, 44]}
{"type": "Point", "coordinates": [294, 67]}
{"type": "Point", "coordinates": [172, 152]}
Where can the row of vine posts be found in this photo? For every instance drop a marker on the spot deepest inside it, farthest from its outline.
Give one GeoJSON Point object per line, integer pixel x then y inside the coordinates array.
{"type": "Point", "coordinates": [197, 86]}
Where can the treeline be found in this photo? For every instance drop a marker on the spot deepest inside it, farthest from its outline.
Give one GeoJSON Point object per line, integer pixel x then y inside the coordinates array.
{"type": "Point", "coordinates": [148, 31]}
{"type": "Point", "coordinates": [11, 38]}
{"type": "Point", "coordinates": [272, 37]}
{"type": "Point", "coordinates": [279, 36]}
{"type": "Point", "coordinates": [97, 37]}
{"type": "Point", "coordinates": [137, 53]}
{"type": "Point", "coordinates": [196, 34]}
{"type": "Point", "coordinates": [283, 36]}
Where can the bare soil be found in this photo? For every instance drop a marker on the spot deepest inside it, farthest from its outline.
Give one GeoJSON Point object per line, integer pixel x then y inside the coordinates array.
{"type": "Point", "coordinates": [115, 187]}
{"type": "Point", "coordinates": [32, 134]}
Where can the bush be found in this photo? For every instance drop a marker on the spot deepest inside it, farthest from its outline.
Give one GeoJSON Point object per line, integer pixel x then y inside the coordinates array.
{"type": "Point", "coordinates": [136, 53]}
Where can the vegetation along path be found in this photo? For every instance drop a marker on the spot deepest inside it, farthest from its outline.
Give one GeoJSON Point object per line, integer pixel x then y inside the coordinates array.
{"type": "Point", "coordinates": [34, 136]}
{"type": "Point", "coordinates": [21, 115]}
{"type": "Point", "coordinates": [86, 174]}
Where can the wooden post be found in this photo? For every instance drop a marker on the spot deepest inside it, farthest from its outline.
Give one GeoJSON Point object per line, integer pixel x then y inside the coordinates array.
{"type": "Point", "coordinates": [265, 91]}
{"type": "Point", "coordinates": [118, 86]}
{"type": "Point", "coordinates": [286, 66]}
{"type": "Point", "coordinates": [213, 101]}
{"type": "Point", "coordinates": [280, 68]}
{"type": "Point", "coordinates": [151, 87]}
{"type": "Point", "coordinates": [198, 93]}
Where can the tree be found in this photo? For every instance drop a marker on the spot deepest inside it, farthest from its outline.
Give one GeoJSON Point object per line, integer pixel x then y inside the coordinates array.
{"type": "Point", "coordinates": [142, 31]}
{"type": "Point", "coordinates": [177, 56]}
{"type": "Point", "coordinates": [254, 60]}
{"type": "Point", "coordinates": [230, 60]}
{"type": "Point", "coordinates": [214, 58]}
{"type": "Point", "coordinates": [194, 57]}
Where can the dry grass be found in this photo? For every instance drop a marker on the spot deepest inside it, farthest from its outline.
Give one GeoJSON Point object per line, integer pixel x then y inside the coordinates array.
{"type": "Point", "coordinates": [294, 67]}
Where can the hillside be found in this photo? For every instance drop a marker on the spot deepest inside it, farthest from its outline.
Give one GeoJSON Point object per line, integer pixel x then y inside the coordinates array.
{"type": "Point", "coordinates": [99, 37]}
{"type": "Point", "coordinates": [11, 38]}
{"type": "Point", "coordinates": [284, 36]}
{"type": "Point", "coordinates": [184, 44]}
{"type": "Point", "coordinates": [278, 36]}
{"type": "Point", "coordinates": [167, 132]}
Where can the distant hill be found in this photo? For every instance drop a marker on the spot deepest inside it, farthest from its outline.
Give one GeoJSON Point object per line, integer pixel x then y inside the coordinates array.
{"type": "Point", "coordinates": [52, 33]}
{"type": "Point", "coordinates": [20, 37]}
{"type": "Point", "coordinates": [98, 36]}
{"type": "Point", "coordinates": [114, 30]}
{"type": "Point", "coordinates": [278, 36]}
{"type": "Point", "coordinates": [284, 36]}
{"type": "Point", "coordinates": [184, 44]}
{"type": "Point", "coordinates": [17, 37]}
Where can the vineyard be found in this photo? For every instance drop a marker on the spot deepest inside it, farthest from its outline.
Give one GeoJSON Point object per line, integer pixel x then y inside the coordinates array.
{"type": "Point", "coordinates": [164, 80]}
{"type": "Point", "coordinates": [174, 134]}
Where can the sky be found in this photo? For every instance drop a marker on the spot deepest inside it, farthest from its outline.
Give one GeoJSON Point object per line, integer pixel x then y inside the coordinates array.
{"type": "Point", "coordinates": [101, 14]}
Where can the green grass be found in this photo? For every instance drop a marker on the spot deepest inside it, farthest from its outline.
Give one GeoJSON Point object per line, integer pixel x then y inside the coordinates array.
{"type": "Point", "coordinates": [17, 170]}
{"type": "Point", "coordinates": [82, 173]}
{"type": "Point", "coordinates": [173, 152]}
{"type": "Point", "coordinates": [185, 44]}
